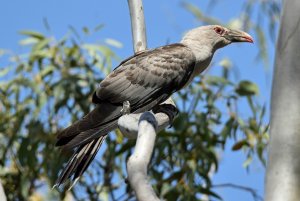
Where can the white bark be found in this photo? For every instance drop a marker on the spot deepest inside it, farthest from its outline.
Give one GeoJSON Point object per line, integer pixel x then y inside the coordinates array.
{"type": "Point", "coordinates": [129, 124]}
{"type": "Point", "coordinates": [141, 126]}
{"type": "Point", "coordinates": [283, 170]}
{"type": "Point", "coordinates": [2, 193]}
{"type": "Point", "coordinates": [138, 28]}
{"type": "Point", "coordinates": [138, 162]}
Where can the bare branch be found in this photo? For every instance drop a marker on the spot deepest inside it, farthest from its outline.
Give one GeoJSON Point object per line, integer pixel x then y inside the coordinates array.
{"type": "Point", "coordinates": [253, 192]}
{"type": "Point", "coordinates": [128, 124]}
{"type": "Point", "coordinates": [138, 162]}
{"type": "Point", "coordinates": [143, 126]}
{"type": "Point", "coordinates": [138, 27]}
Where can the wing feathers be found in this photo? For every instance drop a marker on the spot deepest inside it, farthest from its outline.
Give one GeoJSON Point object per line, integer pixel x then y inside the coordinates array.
{"type": "Point", "coordinates": [145, 80]}
{"type": "Point", "coordinates": [148, 72]}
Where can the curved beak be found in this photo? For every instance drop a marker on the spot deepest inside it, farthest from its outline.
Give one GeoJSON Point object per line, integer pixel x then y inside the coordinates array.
{"type": "Point", "coordinates": [238, 36]}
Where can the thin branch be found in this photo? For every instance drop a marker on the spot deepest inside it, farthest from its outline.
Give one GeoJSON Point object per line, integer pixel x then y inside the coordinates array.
{"type": "Point", "coordinates": [253, 192]}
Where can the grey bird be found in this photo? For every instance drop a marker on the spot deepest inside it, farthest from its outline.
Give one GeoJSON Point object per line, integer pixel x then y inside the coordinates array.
{"type": "Point", "coordinates": [145, 80]}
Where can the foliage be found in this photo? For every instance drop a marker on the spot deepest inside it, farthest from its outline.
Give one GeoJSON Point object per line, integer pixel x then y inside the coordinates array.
{"type": "Point", "coordinates": [43, 91]}
{"type": "Point", "coordinates": [40, 93]}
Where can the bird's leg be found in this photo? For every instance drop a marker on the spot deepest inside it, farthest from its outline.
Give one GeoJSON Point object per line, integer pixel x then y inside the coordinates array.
{"type": "Point", "coordinates": [169, 109]}
{"type": "Point", "coordinates": [126, 108]}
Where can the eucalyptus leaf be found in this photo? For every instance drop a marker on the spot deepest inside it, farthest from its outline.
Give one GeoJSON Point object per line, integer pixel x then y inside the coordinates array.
{"type": "Point", "coordinates": [33, 34]}
{"type": "Point", "coordinates": [247, 88]}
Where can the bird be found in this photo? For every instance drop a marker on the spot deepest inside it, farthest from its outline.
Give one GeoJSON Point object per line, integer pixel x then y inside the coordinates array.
{"type": "Point", "coordinates": [143, 80]}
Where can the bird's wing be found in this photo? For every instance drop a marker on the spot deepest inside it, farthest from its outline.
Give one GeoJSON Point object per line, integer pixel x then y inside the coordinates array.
{"type": "Point", "coordinates": [145, 80]}
{"type": "Point", "coordinates": [148, 77]}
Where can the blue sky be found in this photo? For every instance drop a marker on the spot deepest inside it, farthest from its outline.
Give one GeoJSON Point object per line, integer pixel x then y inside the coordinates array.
{"type": "Point", "coordinates": [166, 21]}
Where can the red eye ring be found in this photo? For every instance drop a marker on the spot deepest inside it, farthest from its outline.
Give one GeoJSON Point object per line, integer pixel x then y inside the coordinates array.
{"type": "Point", "coordinates": [219, 30]}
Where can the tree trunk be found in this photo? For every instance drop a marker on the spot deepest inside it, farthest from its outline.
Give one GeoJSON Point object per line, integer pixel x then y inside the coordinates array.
{"type": "Point", "coordinates": [283, 170]}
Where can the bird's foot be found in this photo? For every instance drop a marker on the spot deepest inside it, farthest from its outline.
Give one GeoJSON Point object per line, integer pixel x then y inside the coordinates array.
{"type": "Point", "coordinates": [170, 110]}
{"type": "Point", "coordinates": [126, 108]}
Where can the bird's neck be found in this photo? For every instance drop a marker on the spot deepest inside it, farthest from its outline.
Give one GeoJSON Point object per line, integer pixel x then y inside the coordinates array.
{"type": "Point", "coordinates": [201, 50]}
{"type": "Point", "coordinates": [203, 54]}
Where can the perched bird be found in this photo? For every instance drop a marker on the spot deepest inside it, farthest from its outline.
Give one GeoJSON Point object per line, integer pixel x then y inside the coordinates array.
{"type": "Point", "coordinates": [145, 80]}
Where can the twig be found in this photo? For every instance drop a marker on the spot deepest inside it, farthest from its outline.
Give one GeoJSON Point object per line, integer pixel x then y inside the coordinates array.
{"type": "Point", "coordinates": [253, 192]}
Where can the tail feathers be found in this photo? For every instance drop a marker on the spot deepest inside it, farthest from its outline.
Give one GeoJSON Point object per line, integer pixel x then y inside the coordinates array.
{"type": "Point", "coordinates": [101, 115]}
{"type": "Point", "coordinates": [88, 135]}
{"type": "Point", "coordinates": [98, 122]}
{"type": "Point", "coordinates": [79, 162]}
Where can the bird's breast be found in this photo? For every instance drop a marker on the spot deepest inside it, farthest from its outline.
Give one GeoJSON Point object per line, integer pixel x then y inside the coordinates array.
{"type": "Point", "coordinates": [199, 68]}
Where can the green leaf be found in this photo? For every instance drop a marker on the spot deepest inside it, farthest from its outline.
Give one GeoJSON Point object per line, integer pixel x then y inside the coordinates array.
{"type": "Point", "coordinates": [25, 185]}
{"type": "Point", "coordinates": [181, 121]}
{"type": "Point", "coordinates": [210, 193]}
{"type": "Point", "coordinates": [172, 194]}
{"type": "Point", "coordinates": [47, 70]}
{"type": "Point", "coordinates": [247, 162]}
{"type": "Point", "coordinates": [29, 41]}
{"type": "Point", "coordinates": [226, 63]}
{"type": "Point", "coordinates": [247, 88]}
{"type": "Point", "coordinates": [217, 81]}
{"type": "Point", "coordinates": [239, 145]}
{"type": "Point", "coordinates": [40, 45]}
{"type": "Point", "coordinates": [86, 30]}
{"type": "Point", "coordinates": [4, 71]}
{"type": "Point", "coordinates": [33, 34]}
{"type": "Point", "coordinates": [98, 27]}
{"type": "Point", "coordinates": [113, 43]}
{"type": "Point", "coordinates": [166, 187]}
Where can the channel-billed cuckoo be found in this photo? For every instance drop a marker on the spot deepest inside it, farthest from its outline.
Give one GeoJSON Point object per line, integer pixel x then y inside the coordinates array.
{"type": "Point", "coordinates": [145, 80]}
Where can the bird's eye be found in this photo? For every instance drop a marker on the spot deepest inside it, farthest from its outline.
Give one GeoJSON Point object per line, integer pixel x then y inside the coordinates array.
{"type": "Point", "coordinates": [219, 30]}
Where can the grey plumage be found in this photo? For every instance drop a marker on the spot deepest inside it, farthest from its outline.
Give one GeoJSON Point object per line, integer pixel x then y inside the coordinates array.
{"type": "Point", "coordinates": [145, 80]}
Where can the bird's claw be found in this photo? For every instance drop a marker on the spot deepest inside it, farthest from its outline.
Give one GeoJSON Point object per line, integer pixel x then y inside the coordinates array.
{"type": "Point", "coordinates": [126, 108]}
{"type": "Point", "coordinates": [170, 110]}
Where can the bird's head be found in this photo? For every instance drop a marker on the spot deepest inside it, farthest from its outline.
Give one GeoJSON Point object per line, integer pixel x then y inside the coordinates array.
{"type": "Point", "coordinates": [215, 36]}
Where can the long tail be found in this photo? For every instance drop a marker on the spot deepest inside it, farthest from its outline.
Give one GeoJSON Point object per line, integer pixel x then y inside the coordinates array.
{"type": "Point", "coordinates": [79, 162]}
{"type": "Point", "coordinates": [87, 135]}
{"type": "Point", "coordinates": [99, 121]}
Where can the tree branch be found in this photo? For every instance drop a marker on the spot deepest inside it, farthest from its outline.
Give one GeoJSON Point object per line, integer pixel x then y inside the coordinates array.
{"type": "Point", "coordinates": [253, 192]}
{"type": "Point", "coordinates": [138, 28]}
{"type": "Point", "coordinates": [128, 124]}
{"type": "Point", "coordinates": [138, 162]}
{"type": "Point", "coordinates": [2, 193]}
{"type": "Point", "coordinates": [143, 126]}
